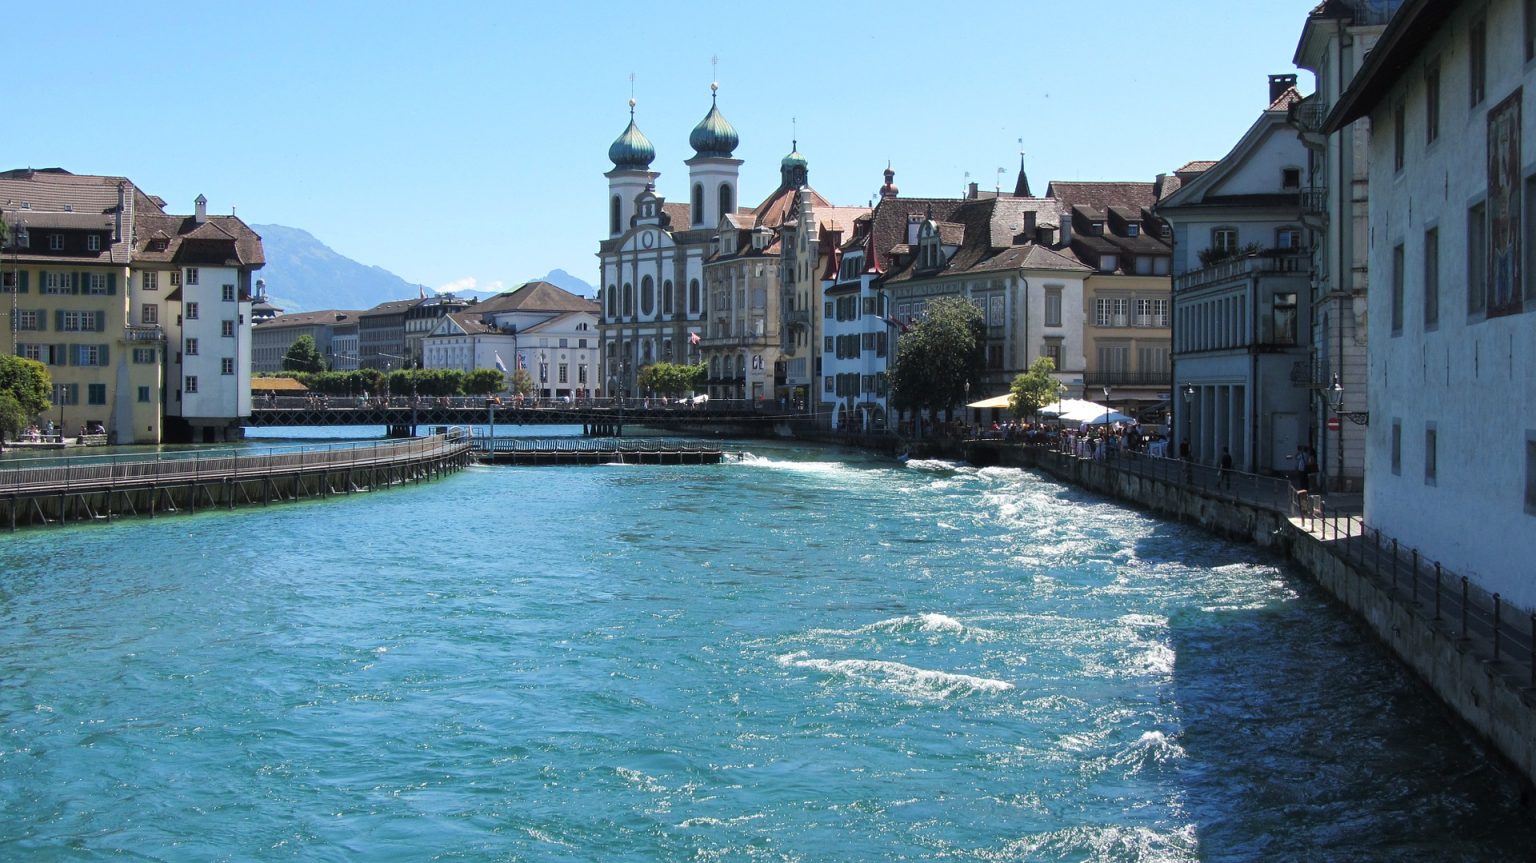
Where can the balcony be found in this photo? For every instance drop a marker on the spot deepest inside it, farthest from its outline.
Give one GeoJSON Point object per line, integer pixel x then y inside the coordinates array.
{"type": "Point", "coordinates": [798, 318]}
{"type": "Point", "coordinates": [1127, 379]}
{"type": "Point", "coordinates": [143, 335]}
{"type": "Point", "coordinates": [1232, 269]}
{"type": "Point", "coordinates": [1310, 374]}
{"type": "Point", "coordinates": [1314, 200]}
{"type": "Point", "coordinates": [1308, 114]}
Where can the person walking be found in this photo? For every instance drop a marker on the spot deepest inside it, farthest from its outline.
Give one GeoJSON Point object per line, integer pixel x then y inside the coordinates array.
{"type": "Point", "coordinates": [1224, 475]}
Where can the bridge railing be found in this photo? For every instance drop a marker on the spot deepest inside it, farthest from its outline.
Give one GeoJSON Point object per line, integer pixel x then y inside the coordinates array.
{"type": "Point", "coordinates": [101, 472]}
{"type": "Point", "coordinates": [638, 404]}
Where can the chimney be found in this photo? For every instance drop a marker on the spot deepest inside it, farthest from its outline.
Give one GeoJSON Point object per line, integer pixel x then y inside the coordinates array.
{"type": "Point", "coordinates": [970, 191]}
{"type": "Point", "coordinates": [1065, 222]}
{"type": "Point", "coordinates": [201, 203]}
{"type": "Point", "coordinates": [1278, 84]}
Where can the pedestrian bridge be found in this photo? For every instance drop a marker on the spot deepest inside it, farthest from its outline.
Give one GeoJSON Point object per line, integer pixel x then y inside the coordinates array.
{"type": "Point", "coordinates": [597, 417]}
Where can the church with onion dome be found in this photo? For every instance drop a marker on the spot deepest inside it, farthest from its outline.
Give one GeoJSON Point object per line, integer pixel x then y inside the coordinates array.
{"type": "Point", "coordinates": [705, 281]}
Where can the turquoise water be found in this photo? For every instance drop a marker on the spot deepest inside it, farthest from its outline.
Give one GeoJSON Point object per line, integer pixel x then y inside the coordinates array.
{"type": "Point", "coordinates": [809, 655]}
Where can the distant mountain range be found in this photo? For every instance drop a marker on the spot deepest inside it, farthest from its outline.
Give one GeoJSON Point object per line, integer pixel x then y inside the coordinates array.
{"type": "Point", "coordinates": [303, 274]}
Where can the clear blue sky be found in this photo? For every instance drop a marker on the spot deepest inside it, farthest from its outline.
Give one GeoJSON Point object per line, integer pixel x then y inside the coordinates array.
{"type": "Point", "coordinates": [458, 141]}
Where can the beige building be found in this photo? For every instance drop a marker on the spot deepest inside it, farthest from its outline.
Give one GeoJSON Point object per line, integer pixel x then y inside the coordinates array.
{"type": "Point", "coordinates": [142, 317]}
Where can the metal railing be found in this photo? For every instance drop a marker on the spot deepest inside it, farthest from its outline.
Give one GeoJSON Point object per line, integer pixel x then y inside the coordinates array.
{"type": "Point", "coordinates": [1504, 632]}
{"type": "Point", "coordinates": [97, 472]}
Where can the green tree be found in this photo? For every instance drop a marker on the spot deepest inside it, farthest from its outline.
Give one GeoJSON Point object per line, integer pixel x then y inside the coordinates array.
{"type": "Point", "coordinates": [1034, 389]}
{"type": "Point", "coordinates": [671, 379]}
{"type": "Point", "coordinates": [12, 417]}
{"type": "Point", "coordinates": [303, 356]}
{"type": "Point", "coordinates": [939, 357]}
{"type": "Point", "coordinates": [28, 382]}
{"type": "Point", "coordinates": [483, 381]}
{"type": "Point", "coordinates": [521, 383]}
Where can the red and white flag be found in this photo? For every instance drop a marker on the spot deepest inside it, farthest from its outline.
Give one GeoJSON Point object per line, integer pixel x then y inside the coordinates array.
{"type": "Point", "coordinates": [693, 338]}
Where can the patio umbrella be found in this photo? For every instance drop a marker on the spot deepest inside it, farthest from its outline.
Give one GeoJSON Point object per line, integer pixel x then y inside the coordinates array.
{"type": "Point", "coordinates": [1001, 401]}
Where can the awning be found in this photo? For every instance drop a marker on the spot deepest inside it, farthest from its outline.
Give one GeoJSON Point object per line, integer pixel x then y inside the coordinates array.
{"type": "Point", "coordinates": [285, 385]}
{"type": "Point", "coordinates": [1002, 401]}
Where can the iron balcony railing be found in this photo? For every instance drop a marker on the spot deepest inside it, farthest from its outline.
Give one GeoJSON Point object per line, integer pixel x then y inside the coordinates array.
{"type": "Point", "coordinates": [1308, 114]}
{"type": "Point", "coordinates": [1238, 268]}
{"type": "Point", "coordinates": [1314, 199]}
{"type": "Point", "coordinates": [143, 334]}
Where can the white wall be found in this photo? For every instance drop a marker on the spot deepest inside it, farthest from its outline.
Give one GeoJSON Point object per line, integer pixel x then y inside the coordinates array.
{"type": "Point", "coordinates": [1471, 379]}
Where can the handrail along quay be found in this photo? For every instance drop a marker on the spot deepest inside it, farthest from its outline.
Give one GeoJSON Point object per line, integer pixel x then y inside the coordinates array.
{"type": "Point", "coordinates": [574, 451]}
{"type": "Point", "coordinates": [91, 489]}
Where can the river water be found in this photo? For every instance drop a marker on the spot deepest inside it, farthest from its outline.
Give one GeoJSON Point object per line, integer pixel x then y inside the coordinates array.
{"type": "Point", "coordinates": [807, 655]}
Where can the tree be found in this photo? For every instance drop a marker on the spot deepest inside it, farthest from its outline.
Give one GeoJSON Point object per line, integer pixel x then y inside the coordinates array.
{"type": "Point", "coordinates": [483, 381]}
{"type": "Point", "coordinates": [522, 382]}
{"type": "Point", "coordinates": [939, 357]}
{"type": "Point", "coordinates": [303, 356]}
{"type": "Point", "coordinates": [28, 382]}
{"type": "Point", "coordinates": [1035, 388]}
{"type": "Point", "coordinates": [12, 417]}
{"type": "Point", "coordinates": [671, 379]}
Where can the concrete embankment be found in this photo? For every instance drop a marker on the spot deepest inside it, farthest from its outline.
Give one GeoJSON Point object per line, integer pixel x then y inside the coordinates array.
{"type": "Point", "coordinates": [1496, 697]}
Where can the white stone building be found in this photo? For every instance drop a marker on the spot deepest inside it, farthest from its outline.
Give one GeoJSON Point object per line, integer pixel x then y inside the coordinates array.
{"type": "Point", "coordinates": [550, 332]}
{"type": "Point", "coordinates": [1241, 299]}
{"type": "Point", "coordinates": [1451, 440]}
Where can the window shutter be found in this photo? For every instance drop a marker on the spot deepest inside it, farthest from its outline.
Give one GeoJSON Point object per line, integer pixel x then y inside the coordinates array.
{"type": "Point", "coordinates": [111, 284]}
{"type": "Point", "coordinates": [74, 283]}
{"type": "Point", "coordinates": [101, 322]}
{"type": "Point", "coordinates": [24, 275]}
{"type": "Point", "coordinates": [58, 320]}
{"type": "Point", "coordinates": [105, 358]}
{"type": "Point", "coordinates": [42, 321]}
{"type": "Point", "coordinates": [61, 355]}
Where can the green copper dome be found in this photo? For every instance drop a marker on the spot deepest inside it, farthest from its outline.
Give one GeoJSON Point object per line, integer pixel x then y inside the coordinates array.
{"type": "Point", "coordinates": [793, 160]}
{"type": "Point", "coordinates": [714, 136]}
{"type": "Point", "coordinates": [632, 151]}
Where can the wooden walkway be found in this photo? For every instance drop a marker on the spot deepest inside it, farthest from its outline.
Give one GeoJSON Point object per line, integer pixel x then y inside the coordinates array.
{"type": "Point", "coordinates": [91, 489]}
{"type": "Point", "coordinates": [568, 451]}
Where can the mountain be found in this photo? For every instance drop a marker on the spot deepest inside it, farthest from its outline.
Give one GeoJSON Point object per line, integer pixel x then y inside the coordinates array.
{"type": "Point", "coordinates": [305, 275]}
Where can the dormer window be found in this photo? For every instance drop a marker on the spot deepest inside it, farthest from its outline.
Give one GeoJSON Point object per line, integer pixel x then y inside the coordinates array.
{"type": "Point", "coordinates": [1132, 230]}
{"type": "Point", "coordinates": [1096, 228]}
{"type": "Point", "coordinates": [55, 242]}
{"type": "Point", "coordinates": [1108, 263]}
{"type": "Point", "coordinates": [93, 243]}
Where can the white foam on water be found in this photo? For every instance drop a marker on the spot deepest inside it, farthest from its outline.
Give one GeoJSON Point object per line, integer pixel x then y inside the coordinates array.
{"type": "Point", "coordinates": [640, 780]}
{"type": "Point", "coordinates": [899, 677]}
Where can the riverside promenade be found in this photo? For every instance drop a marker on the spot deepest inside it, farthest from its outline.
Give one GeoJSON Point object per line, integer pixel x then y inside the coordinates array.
{"type": "Point", "coordinates": [1476, 652]}
{"type": "Point", "coordinates": [92, 488]}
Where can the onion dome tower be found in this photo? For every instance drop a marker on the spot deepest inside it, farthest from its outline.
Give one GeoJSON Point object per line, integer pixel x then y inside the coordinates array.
{"type": "Point", "coordinates": [631, 154]}
{"type": "Point", "coordinates": [794, 171]}
{"type": "Point", "coordinates": [713, 171]}
{"type": "Point", "coordinates": [889, 190]}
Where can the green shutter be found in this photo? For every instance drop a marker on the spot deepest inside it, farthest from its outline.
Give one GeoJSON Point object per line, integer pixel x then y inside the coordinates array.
{"type": "Point", "coordinates": [58, 320]}
{"type": "Point", "coordinates": [61, 355]}
{"type": "Point", "coordinates": [111, 284]}
{"type": "Point", "coordinates": [74, 283]}
{"type": "Point", "coordinates": [42, 320]}
{"type": "Point", "coordinates": [101, 322]}
{"type": "Point", "coordinates": [24, 275]}
{"type": "Point", "coordinates": [105, 359]}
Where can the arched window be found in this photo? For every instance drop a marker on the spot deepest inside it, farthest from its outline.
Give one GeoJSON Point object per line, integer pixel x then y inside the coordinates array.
{"type": "Point", "coordinates": [645, 348]}
{"type": "Point", "coordinates": [714, 367]}
{"type": "Point", "coordinates": [613, 215]}
{"type": "Point", "coordinates": [726, 204]}
{"type": "Point", "coordinates": [666, 297]}
{"type": "Point", "coordinates": [693, 297]}
{"type": "Point", "coordinates": [647, 296]}
{"type": "Point", "coordinates": [612, 292]}
{"type": "Point", "coordinates": [741, 365]}
{"type": "Point", "coordinates": [629, 300]}
{"type": "Point", "coordinates": [698, 203]}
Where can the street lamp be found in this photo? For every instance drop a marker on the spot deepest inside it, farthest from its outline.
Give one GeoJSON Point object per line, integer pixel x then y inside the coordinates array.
{"type": "Point", "coordinates": [1106, 389]}
{"type": "Point", "coordinates": [1189, 415]}
{"type": "Point", "coordinates": [543, 375]}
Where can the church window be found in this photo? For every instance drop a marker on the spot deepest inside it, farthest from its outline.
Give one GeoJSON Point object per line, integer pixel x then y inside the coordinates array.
{"type": "Point", "coordinates": [693, 296]}
{"type": "Point", "coordinates": [613, 215]}
{"type": "Point", "coordinates": [647, 296]}
{"type": "Point", "coordinates": [698, 203]}
{"type": "Point", "coordinates": [666, 297]}
{"type": "Point", "coordinates": [613, 299]}
{"type": "Point", "coordinates": [726, 200]}
{"type": "Point", "coordinates": [629, 300]}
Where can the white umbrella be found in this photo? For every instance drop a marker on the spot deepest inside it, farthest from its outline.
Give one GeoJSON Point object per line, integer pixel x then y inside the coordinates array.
{"type": "Point", "coordinates": [1102, 418]}
{"type": "Point", "coordinates": [1071, 407]}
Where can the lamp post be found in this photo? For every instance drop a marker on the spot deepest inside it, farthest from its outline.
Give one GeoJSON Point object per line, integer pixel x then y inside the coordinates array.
{"type": "Point", "coordinates": [1106, 389]}
{"type": "Point", "coordinates": [543, 375]}
{"type": "Point", "coordinates": [967, 401]}
{"type": "Point", "coordinates": [1189, 415]}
